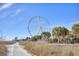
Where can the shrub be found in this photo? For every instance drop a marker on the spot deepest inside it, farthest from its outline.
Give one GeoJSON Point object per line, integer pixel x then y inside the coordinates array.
{"type": "Point", "coordinates": [71, 53]}
{"type": "Point", "coordinates": [55, 40]}
{"type": "Point", "coordinates": [50, 40]}
{"type": "Point", "coordinates": [48, 34]}
{"type": "Point", "coordinates": [35, 38]}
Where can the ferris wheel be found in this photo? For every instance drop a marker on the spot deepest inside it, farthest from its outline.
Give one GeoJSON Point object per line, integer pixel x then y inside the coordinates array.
{"type": "Point", "coordinates": [37, 25]}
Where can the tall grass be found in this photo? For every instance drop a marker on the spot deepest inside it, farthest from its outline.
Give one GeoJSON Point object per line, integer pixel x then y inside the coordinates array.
{"type": "Point", "coordinates": [41, 48]}
{"type": "Point", "coordinates": [3, 50]}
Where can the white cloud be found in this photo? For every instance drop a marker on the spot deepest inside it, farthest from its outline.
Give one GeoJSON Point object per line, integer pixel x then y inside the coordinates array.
{"type": "Point", "coordinates": [6, 6]}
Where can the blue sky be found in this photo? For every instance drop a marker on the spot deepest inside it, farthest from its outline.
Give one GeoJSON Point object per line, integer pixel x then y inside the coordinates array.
{"type": "Point", "coordinates": [14, 18]}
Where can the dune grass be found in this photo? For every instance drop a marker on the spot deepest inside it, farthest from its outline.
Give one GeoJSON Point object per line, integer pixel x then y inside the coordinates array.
{"type": "Point", "coordinates": [3, 50]}
{"type": "Point", "coordinates": [41, 48]}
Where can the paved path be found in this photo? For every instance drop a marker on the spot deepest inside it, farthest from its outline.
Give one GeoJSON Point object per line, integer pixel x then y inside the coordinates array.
{"type": "Point", "coordinates": [17, 50]}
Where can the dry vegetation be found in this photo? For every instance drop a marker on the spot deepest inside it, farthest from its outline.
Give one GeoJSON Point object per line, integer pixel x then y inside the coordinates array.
{"type": "Point", "coordinates": [3, 47]}
{"type": "Point", "coordinates": [41, 48]}
{"type": "Point", "coordinates": [3, 50]}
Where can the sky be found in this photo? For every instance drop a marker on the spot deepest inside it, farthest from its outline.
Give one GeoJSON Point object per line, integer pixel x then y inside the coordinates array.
{"type": "Point", "coordinates": [14, 18]}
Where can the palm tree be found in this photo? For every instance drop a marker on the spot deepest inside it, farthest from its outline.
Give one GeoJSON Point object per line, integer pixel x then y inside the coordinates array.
{"type": "Point", "coordinates": [60, 32]}
{"type": "Point", "coordinates": [75, 32]}
{"type": "Point", "coordinates": [75, 29]}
